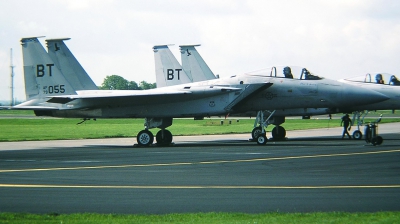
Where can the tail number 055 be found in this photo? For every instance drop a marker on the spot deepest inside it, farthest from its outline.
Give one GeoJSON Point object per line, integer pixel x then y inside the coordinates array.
{"type": "Point", "coordinates": [54, 89]}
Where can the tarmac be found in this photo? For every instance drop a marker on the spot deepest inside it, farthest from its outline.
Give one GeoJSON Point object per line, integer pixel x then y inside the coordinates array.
{"type": "Point", "coordinates": [311, 171]}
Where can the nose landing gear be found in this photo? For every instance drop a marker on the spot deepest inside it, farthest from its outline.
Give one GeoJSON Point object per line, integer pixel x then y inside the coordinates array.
{"type": "Point", "coordinates": [370, 130]}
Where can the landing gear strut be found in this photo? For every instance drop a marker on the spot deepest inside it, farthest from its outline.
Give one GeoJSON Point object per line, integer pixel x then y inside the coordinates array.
{"type": "Point", "coordinates": [359, 116]}
{"type": "Point", "coordinates": [370, 130]}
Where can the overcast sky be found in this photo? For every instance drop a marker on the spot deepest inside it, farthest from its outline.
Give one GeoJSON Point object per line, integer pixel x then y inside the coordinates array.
{"type": "Point", "coordinates": [334, 39]}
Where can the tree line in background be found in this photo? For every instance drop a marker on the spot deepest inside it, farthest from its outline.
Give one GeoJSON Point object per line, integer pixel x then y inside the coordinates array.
{"type": "Point", "coordinates": [114, 82]}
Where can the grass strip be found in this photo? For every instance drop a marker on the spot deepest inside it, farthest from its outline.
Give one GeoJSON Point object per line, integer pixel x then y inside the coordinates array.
{"type": "Point", "coordinates": [58, 129]}
{"type": "Point", "coordinates": [273, 217]}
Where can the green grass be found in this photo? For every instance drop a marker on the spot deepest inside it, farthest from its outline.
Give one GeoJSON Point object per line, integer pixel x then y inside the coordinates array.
{"type": "Point", "coordinates": [16, 112]}
{"type": "Point", "coordinates": [274, 217]}
{"type": "Point", "coordinates": [51, 129]}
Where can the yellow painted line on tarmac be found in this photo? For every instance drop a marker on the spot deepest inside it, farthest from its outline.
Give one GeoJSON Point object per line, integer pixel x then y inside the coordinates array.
{"type": "Point", "coordinates": [194, 186]}
{"type": "Point", "coordinates": [200, 163]}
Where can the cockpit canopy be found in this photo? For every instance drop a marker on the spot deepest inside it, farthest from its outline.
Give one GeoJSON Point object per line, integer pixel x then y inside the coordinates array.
{"type": "Point", "coordinates": [378, 78]}
{"type": "Point", "coordinates": [289, 72]}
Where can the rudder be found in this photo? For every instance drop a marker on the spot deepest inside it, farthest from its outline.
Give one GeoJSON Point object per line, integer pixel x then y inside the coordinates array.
{"type": "Point", "coordinates": [194, 65]}
{"type": "Point", "coordinates": [69, 65]}
{"type": "Point", "coordinates": [168, 70]}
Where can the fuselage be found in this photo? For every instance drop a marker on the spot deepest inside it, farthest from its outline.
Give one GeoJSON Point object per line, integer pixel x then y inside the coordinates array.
{"type": "Point", "coordinates": [282, 94]}
{"type": "Point", "coordinates": [388, 89]}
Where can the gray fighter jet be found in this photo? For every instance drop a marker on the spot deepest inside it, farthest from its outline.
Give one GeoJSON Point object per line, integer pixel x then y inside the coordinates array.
{"type": "Point", "coordinates": [50, 93]}
{"type": "Point", "coordinates": [195, 67]}
{"type": "Point", "coordinates": [384, 83]}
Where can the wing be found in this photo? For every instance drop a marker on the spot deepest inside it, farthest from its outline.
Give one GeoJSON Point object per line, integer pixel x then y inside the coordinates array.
{"type": "Point", "coordinates": [116, 98]}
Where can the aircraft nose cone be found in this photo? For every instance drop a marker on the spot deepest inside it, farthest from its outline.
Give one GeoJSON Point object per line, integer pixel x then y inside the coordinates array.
{"type": "Point", "coordinates": [357, 96]}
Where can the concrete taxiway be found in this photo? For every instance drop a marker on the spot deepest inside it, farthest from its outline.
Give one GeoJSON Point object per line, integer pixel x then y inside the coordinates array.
{"type": "Point", "coordinates": [314, 170]}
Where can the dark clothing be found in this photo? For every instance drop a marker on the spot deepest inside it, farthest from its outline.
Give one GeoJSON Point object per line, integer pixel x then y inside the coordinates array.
{"type": "Point", "coordinates": [394, 81]}
{"type": "Point", "coordinates": [346, 121]}
{"type": "Point", "coordinates": [287, 72]}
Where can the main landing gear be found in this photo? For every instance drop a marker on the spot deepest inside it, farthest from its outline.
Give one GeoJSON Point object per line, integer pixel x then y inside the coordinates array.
{"type": "Point", "coordinates": [145, 138]}
{"type": "Point", "coordinates": [163, 136]}
{"type": "Point", "coordinates": [278, 132]}
{"type": "Point", "coordinates": [259, 135]}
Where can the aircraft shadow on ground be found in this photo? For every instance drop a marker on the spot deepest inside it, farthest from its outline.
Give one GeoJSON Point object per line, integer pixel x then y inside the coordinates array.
{"type": "Point", "coordinates": [297, 141]}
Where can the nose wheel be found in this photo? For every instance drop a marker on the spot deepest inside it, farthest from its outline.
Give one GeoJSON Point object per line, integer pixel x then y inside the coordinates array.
{"type": "Point", "coordinates": [357, 135]}
{"type": "Point", "coordinates": [261, 139]}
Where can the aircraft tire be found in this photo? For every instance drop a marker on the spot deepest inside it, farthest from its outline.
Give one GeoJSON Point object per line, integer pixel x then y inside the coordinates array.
{"type": "Point", "coordinates": [278, 133]}
{"type": "Point", "coordinates": [380, 140]}
{"type": "Point", "coordinates": [145, 138]}
{"type": "Point", "coordinates": [357, 135]}
{"type": "Point", "coordinates": [367, 133]}
{"type": "Point", "coordinates": [164, 137]}
{"type": "Point", "coordinates": [377, 140]}
{"type": "Point", "coordinates": [256, 132]}
{"type": "Point", "coordinates": [262, 139]}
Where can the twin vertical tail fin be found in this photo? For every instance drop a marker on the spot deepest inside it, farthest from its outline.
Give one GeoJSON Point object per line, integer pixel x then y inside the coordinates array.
{"type": "Point", "coordinates": [168, 70]}
{"type": "Point", "coordinates": [68, 65]}
{"type": "Point", "coordinates": [194, 65]}
{"type": "Point", "coordinates": [42, 77]}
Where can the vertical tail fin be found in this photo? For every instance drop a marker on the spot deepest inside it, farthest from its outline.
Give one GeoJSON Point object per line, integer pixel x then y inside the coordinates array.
{"type": "Point", "coordinates": [194, 65]}
{"type": "Point", "coordinates": [168, 70]}
{"type": "Point", "coordinates": [42, 77]}
{"type": "Point", "coordinates": [68, 65]}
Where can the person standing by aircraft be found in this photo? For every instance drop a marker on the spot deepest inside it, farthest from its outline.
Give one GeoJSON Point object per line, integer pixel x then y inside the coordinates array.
{"type": "Point", "coordinates": [346, 121]}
